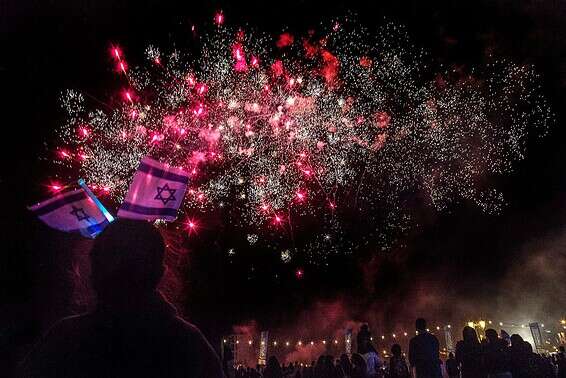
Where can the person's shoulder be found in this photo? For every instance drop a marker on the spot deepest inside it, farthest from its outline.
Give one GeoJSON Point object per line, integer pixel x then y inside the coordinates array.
{"type": "Point", "coordinates": [209, 363]}
{"type": "Point", "coordinates": [186, 327]}
{"type": "Point", "coordinates": [191, 333]}
{"type": "Point", "coordinates": [62, 337]}
{"type": "Point", "coordinates": [69, 326]}
{"type": "Point", "coordinates": [420, 337]}
{"type": "Point", "coordinates": [430, 336]}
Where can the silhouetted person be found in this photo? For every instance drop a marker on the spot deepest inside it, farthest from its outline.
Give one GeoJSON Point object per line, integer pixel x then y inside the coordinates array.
{"type": "Point", "coordinates": [496, 356]}
{"type": "Point", "coordinates": [345, 366]}
{"type": "Point", "coordinates": [469, 354]}
{"type": "Point", "coordinates": [545, 366]}
{"type": "Point", "coordinates": [359, 367]}
{"type": "Point", "coordinates": [373, 363]}
{"type": "Point", "coordinates": [308, 371]}
{"type": "Point", "coordinates": [329, 367]}
{"type": "Point", "coordinates": [505, 337]}
{"type": "Point", "coordinates": [363, 338]}
{"type": "Point", "coordinates": [272, 369]}
{"type": "Point", "coordinates": [133, 331]}
{"type": "Point", "coordinates": [521, 361]}
{"type": "Point", "coordinates": [320, 368]}
{"type": "Point", "coordinates": [240, 372]}
{"type": "Point", "coordinates": [397, 366]}
{"type": "Point", "coordinates": [367, 351]}
{"type": "Point", "coordinates": [452, 368]}
{"type": "Point", "coordinates": [561, 362]}
{"type": "Point", "coordinates": [424, 353]}
{"type": "Point", "coordinates": [228, 360]}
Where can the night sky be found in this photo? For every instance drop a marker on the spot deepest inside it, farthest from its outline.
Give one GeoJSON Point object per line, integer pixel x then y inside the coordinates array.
{"type": "Point", "coordinates": [454, 265]}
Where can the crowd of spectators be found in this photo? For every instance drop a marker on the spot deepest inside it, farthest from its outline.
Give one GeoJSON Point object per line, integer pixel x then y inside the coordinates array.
{"type": "Point", "coordinates": [135, 332]}
{"type": "Point", "coordinates": [493, 356]}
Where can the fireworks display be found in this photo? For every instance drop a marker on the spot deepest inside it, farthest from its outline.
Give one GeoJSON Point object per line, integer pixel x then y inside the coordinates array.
{"type": "Point", "coordinates": [339, 121]}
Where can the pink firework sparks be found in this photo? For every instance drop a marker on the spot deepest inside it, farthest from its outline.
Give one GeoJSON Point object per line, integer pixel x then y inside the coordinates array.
{"type": "Point", "coordinates": [293, 125]}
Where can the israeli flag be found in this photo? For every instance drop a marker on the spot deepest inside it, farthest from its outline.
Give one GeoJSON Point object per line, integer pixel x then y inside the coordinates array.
{"type": "Point", "coordinates": [155, 193]}
{"type": "Point", "coordinates": [73, 211]}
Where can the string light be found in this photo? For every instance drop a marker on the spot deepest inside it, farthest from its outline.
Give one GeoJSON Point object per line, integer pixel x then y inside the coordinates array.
{"type": "Point", "coordinates": [324, 342]}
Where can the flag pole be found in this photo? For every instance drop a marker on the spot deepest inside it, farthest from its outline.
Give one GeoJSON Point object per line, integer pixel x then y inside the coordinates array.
{"type": "Point", "coordinates": [97, 202]}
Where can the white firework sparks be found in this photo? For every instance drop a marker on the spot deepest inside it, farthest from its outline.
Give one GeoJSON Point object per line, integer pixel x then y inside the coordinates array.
{"type": "Point", "coordinates": [349, 119]}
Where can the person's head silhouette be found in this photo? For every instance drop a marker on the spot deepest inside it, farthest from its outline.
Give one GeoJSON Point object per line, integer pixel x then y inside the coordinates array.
{"type": "Point", "coordinates": [127, 261]}
{"type": "Point", "coordinates": [516, 340]}
{"type": "Point", "coordinates": [396, 350]}
{"type": "Point", "coordinates": [469, 335]}
{"type": "Point", "coordinates": [420, 325]}
{"type": "Point", "coordinates": [491, 335]}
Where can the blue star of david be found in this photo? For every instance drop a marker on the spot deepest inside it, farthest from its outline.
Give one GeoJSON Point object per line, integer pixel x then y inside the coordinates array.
{"type": "Point", "coordinates": [170, 196]}
{"type": "Point", "coordinates": [79, 213]}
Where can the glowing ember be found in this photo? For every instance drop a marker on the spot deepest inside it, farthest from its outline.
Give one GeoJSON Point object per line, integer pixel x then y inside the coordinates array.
{"type": "Point", "coordinates": [219, 18]}
{"type": "Point", "coordinates": [191, 226]}
{"type": "Point", "coordinates": [55, 187]}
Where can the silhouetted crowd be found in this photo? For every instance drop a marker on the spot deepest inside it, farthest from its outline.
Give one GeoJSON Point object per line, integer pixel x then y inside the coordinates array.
{"type": "Point", "coordinates": [135, 332]}
{"type": "Point", "coordinates": [495, 356]}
